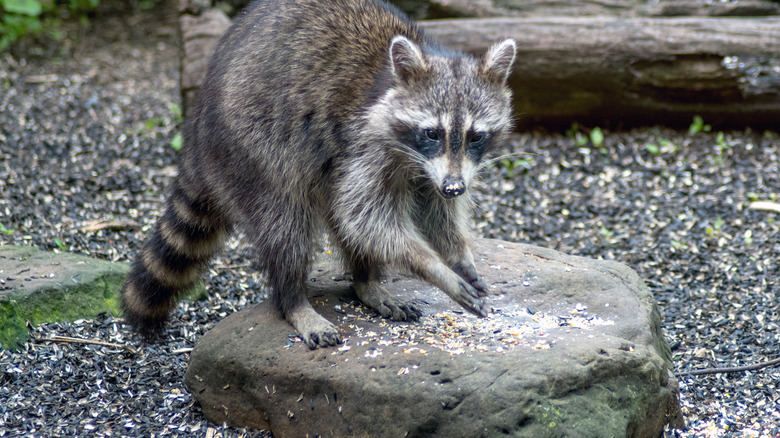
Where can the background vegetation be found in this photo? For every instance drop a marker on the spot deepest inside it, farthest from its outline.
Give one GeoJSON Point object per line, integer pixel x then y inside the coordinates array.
{"type": "Point", "coordinates": [37, 20]}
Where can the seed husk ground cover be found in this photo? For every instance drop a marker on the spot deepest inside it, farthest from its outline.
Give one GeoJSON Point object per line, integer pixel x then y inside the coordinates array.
{"type": "Point", "coordinates": [86, 133]}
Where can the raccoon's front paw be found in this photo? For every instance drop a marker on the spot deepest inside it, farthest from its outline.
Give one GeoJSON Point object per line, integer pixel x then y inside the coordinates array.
{"type": "Point", "coordinates": [469, 273]}
{"type": "Point", "coordinates": [468, 297]}
{"type": "Point", "coordinates": [375, 296]}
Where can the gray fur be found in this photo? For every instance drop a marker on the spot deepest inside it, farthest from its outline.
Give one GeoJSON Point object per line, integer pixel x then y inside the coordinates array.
{"type": "Point", "coordinates": [335, 115]}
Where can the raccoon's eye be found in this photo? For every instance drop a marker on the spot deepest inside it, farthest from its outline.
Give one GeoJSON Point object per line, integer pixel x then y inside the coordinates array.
{"type": "Point", "coordinates": [431, 134]}
{"type": "Point", "coordinates": [477, 137]}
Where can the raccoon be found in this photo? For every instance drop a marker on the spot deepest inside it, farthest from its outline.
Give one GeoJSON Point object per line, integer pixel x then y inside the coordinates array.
{"type": "Point", "coordinates": [337, 116]}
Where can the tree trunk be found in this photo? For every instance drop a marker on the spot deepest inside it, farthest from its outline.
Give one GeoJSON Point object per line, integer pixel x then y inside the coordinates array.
{"type": "Point", "coordinates": [617, 71]}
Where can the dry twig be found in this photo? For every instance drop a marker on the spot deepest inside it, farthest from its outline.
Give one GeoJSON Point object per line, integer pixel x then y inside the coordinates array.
{"type": "Point", "coordinates": [69, 340]}
{"type": "Point", "coordinates": [94, 226]}
{"type": "Point", "coordinates": [756, 366]}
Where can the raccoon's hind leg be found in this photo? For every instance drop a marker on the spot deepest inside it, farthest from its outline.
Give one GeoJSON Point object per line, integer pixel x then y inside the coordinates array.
{"type": "Point", "coordinates": [284, 247]}
{"type": "Point", "coordinates": [171, 260]}
{"type": "Point", "coordinates": [374, 295]}
{"type": "Point", "coordinates": [315, 330]}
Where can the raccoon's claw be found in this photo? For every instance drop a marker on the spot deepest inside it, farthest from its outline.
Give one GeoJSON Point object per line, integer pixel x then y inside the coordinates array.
{"type": "Point", "coordinates": [375, 296]}
{"type": "Point", "coordinates": [480, 286]}
{"type": "Point", "coordinates": [315, 330]}
{"type": "Point", "coordinates": [469, 273]}
{"type": "Point", "coordinates": [321, 339]}
{"type": "Point", "coordinates": [469, 299]}
{"type": "Point", "coordinates": [479, 310]}
{"type": "Point", "coordinates": [398, 311]}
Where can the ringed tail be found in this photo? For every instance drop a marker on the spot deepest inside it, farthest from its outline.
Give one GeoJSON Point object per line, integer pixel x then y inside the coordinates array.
{"type": "Point", "coordinates": [171, 260]}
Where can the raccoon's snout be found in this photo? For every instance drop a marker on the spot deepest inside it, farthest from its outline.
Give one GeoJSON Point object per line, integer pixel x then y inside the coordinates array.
{"type": "Point", "coordinates": [452, 187]}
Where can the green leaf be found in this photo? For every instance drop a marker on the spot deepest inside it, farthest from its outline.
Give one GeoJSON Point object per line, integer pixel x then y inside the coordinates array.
{"type": "Point", "coordinates": [652, 148]}
{"type": "Point", "coordinates": [720, 140]}
{"type": "Point", "coordinates": [5, 230]}
{"type": "Point", "coordinates": [696, 126]}
{"type": "Point", "coordinates": [177, 113]}
{"type": "Point", "coordinates": [525, 162]}
{"type": "Point", "coordinates": [23, 7]}
{"type": "Point", "coordinates": [580, 140]}
{"type": "Point", "coordinates": [596, 137]}
{"type": "Point", "coordinates": [177, 142]}
{"type": "Point", "coordinates": [150, 124]}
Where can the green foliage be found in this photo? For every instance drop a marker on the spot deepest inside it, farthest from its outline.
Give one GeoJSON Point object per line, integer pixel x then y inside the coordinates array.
{"type": "Point", "coordinates": [176, 142]}
{"type": "Point", "coordinates": [580, 139]}
{"type": "Point", "coordinates": [515, 166]}
{"type": "Point", "coordinates": [30, 8]}
{"type": "Point", "coordinates": [163, 125]}
{"type": "Point", "coordinates": [27, 18]}
{"type": "Point", "coordinates": [178, 115]}
{"type": "Point", "coordinates": [698, 126]}
{"type": "Point", "coordinates": [722, 146]}
{"type": "Point", "coordinates": [661, 146]}
{"type": "Point", "coordinates": [720, 142]}
{"type": "Point", "coordinates": [60, 244]}
{"type": "Point", "coordinates": [19, 18]}
{"type": "Point", "coordinates": [653, 149]}
{"type": "Point", "coordinates": [715, 227]}
{"type": "Point", "coordinates": [594, 138]}
{"type": "Point", "coordinates": [152, 123]}
{"type": "Point", "coordinates": [6, 231]}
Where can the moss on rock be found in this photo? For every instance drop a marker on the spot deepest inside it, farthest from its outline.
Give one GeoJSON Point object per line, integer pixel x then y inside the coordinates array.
{"type": "Point", "coordinates": [40, 287]}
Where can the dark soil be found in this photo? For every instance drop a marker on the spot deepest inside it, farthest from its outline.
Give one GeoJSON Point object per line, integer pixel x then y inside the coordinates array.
{"type": "Point", "coordinates": [85, 135]}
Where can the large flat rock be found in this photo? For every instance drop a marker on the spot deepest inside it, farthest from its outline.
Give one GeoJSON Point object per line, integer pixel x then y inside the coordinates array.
{"type": "Point", "coordinates": [571, 347]}
{"type": "Point", "coordinates": [41, 286]}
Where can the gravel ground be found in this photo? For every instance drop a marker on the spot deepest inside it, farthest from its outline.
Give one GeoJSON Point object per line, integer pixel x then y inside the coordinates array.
{"type": "Point", "coordinates": [85, 136]}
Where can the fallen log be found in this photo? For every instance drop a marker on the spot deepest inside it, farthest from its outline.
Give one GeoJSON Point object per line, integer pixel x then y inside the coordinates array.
{"type": "Point", "coordinates": [601, 70]}
{"type": "Point", "coordinates": [580, 8]}
{"type": "Point", "coordinates": [616, 71]}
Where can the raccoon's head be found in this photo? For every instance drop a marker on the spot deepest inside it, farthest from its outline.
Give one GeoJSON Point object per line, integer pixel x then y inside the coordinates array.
{"type": "Point", "coordinates": [447, 109]}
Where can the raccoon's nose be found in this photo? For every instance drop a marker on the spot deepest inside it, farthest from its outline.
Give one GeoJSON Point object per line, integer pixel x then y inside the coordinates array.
{"type": "Point", "coordinates": [452, 187]}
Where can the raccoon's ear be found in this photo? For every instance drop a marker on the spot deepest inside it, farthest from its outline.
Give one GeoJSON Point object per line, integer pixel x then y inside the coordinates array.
{"type": "Point", "coordinates": [497, 63]}
{"type": "Point", "coordinates": [406, 59]}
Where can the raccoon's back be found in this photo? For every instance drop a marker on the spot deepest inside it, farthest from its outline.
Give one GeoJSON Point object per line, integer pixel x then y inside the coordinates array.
{"type": "Point", "coordinates": [289, 56]}
{"type": "Point", "coordinates": [284, 88]}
